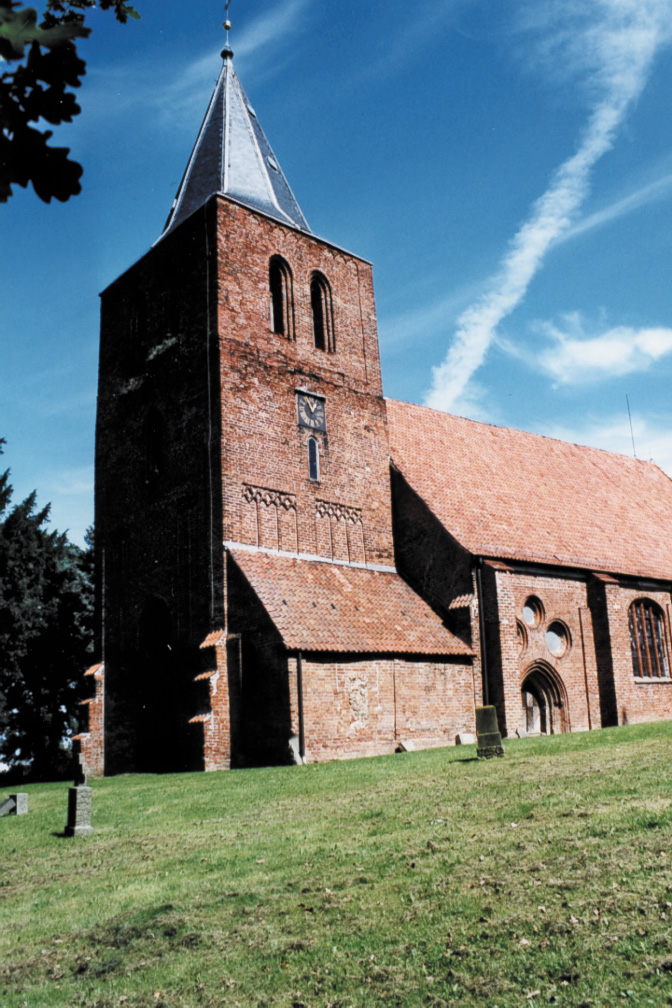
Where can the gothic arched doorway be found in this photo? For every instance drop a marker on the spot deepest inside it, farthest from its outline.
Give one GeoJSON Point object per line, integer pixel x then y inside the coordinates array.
{"type": "Point", "coordinates": [544, 701]}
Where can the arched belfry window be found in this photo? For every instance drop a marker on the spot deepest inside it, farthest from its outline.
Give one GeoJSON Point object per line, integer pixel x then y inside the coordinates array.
{"type": "Point", "coordinates": [137, 332]}
{"type": "Point", "coordinates": [282, 298]}
{"type": "Point", "coordinates": [313, 459]}
{"type": "Point", "coordinates": [648, 640]}
{"type": "Point", "coordinates": [323, 316]}
{"type": "Point", "coordinates": [155, 448]}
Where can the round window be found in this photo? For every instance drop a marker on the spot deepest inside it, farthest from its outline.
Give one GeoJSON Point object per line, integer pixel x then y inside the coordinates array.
{"type": "Point", "coordinates": [557, 639]}
{"type": "Point", "coordinates": [521, 634]}
{"type": "Point", "coordinates": [533, 611]}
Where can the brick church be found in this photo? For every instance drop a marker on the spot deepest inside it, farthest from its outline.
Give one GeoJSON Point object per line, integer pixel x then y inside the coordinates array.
{"type": "Point", "coordinates": [292, 567]}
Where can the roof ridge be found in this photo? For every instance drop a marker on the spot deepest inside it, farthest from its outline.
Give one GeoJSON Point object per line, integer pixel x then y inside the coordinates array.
{"type": "Point", "coordinates": [527, 433]}
{"type": "Point", "coordinates": [526, 495]}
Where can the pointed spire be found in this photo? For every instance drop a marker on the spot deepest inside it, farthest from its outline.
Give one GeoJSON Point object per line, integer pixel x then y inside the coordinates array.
{"type": "Point", "coordinates": [232, 156]}
{"type": "Point", "coordinates": [227, 50]}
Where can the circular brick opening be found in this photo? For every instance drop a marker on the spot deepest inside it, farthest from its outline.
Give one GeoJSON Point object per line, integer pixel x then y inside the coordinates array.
{"type": "Point", "coordinates": [557, 639]}
{"type": "Point", "coordinates": [533, 611]}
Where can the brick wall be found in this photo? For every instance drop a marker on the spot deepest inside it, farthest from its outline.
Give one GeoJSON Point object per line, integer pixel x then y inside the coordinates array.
{"type": "Point", "coordinates": [92, 738]}
{"type": "Point", "coordinates": [158, 494]}
{"type": "Point", "coordinates": [268, 498]}
{"type": "Point", "coordinates": [562, 598]}
{"type": "Point", "coordinates": [369, 705]}
{"type": "Point", "coordinates": [636, 699]}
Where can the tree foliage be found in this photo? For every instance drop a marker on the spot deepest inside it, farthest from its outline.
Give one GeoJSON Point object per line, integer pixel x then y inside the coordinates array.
{"type": "Point", "coordinates": [46, 631]}
{"type": "Point", "coordinates": [37, 89]}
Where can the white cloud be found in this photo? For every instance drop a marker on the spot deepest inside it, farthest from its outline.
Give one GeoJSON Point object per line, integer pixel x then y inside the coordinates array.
{"type": "Point", "coordinates": [71, 482]}
{"type": "Point", "coordinates": [651, 193]}
{"type": "Point", "coordinates": [181, 97]}
{"type": "Point", "coordinates": [409, 42]}
{"type": "Point", "coordinates": [615, 49]}
{"type": "Point", "coordinates": [651, 436]}
{"type": "Point", "coordinates": [401, 329]}
{"type": "Point", "coordinates": [283, 19]}
{"type": "Point", "coordinates": [577, 355]}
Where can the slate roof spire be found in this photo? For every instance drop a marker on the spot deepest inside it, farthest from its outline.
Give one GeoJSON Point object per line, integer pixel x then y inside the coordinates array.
{"type": "Point", "coordinates": [232, 156]}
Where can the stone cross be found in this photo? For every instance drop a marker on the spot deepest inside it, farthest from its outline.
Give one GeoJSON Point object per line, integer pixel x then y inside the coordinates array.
{"type": "Point", "coordinates": [79, 798]}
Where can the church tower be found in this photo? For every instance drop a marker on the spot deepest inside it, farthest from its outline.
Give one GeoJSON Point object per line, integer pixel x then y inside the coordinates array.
{"type": "Point", "coordinates": [251, 611]}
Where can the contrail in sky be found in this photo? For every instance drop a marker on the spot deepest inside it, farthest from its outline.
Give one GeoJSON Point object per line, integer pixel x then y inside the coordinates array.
{"type": "Point", "coordinates": [618, 46]}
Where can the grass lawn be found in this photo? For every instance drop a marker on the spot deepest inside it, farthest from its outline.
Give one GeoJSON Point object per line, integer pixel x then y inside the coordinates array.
{"type": "Point", "coordinates": [420, 879]}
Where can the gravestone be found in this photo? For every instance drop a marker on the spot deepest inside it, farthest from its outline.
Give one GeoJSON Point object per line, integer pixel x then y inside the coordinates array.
{"type": "Point", "coordinates": [487, 731]}
{"type": "Point", "coordinates": [21, 803]}
{"type": "Point", "coordinates": [79, 811]}
{"type": "Point", "coordinates": [7, 807]}
{"type": "Point", "coordinates": [16, 804]}
{"type": "Point", "coordinates": [79, 799]}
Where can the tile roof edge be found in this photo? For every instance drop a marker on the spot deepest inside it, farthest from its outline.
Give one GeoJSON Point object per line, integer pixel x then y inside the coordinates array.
{"type": "Point", "coordinates": [233, 547]}
{"type": "Point", "coordinates": [465, 652]}
{"type": "Point", "coordinates": [462, 650]}
{"type": "Point", "coordinates": [534, 434]}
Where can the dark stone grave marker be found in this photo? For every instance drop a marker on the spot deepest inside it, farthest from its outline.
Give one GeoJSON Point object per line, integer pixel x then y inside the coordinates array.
{"type": "Point", "coordinates": [487, 731]}
{"type": "Point", "coordinates": [79, 799]}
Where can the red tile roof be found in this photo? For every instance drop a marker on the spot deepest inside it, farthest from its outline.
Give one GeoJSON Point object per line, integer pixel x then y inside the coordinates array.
{"type": "Point", "coordinates": [214, 638]}
{"type": "Point", "coordinates": [506, 493]}
{"type": "Point", "coordinates": [319, 606]}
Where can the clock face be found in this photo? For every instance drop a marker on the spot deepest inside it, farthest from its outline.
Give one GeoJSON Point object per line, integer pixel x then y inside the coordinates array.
{"type": "Point", "coordinates": [311, 411]}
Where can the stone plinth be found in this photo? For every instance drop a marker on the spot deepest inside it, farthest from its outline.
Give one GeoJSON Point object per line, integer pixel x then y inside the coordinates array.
{"type": "Point", "coordinates": [79, 812]}
{"type": "Point", "coordinates": [487, 731]}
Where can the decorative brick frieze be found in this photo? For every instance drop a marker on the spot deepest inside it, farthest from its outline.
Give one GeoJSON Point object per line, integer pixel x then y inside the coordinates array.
{"type": "Point", "coordinates": [273, 516]}
{"type": "Point", "coordinates": [340, 531]}
{"type": "Point", "coordinates": [339, 512]}
{"type": "Point", "coordinates": [269, 498]}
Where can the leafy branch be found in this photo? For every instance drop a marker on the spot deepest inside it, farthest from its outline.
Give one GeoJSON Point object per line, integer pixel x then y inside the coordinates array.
{"type": "Point", "coordinates": [38, 89]}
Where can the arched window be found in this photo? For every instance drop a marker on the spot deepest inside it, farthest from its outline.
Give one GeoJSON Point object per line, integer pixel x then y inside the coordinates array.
{"type": "Point", "coordinates": [323, 316]}
{"type": "Point", "coordinates": [313, 459]}
{"type": "Point", "coordinates": [155, 448]}
{"type": "Point", "coordinates": [647, 640]}
{"type": "Point", "coordinates": [171, 312]}
{"type": "Point", "coordinates": [137, 333]}
{"type": "Point", "coordinates": [282, 300]}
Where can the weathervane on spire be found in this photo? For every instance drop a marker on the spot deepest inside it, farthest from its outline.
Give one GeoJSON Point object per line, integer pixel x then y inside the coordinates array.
{"type": "Point", "coordinates": [227, 51]}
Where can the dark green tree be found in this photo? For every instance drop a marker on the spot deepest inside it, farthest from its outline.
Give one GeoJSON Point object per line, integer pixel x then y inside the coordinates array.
{"type": "Point", "coordinates": [37, 89]}
{"type": "Point", "coordinates": [46, 632]}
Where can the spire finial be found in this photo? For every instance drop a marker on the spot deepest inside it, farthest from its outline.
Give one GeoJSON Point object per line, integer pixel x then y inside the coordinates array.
{"type": "Point", "coordinates": [227, 51]}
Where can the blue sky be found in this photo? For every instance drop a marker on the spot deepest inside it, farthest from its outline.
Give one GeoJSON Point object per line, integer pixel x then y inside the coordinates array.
{"type": "Point", "coordinates": [506, 167]}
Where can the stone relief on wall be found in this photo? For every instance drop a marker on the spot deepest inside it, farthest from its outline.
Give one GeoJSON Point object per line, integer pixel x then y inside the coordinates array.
{"type": "Point", "coordinates": [358, 697]}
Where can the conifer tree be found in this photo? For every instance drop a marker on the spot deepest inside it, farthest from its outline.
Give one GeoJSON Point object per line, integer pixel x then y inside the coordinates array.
{"type": "Point", "coordinates": [46, 622]}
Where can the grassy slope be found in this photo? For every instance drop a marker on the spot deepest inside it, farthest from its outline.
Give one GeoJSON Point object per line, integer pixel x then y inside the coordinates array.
{"type": "Point", "coordinates": [423, 879]}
